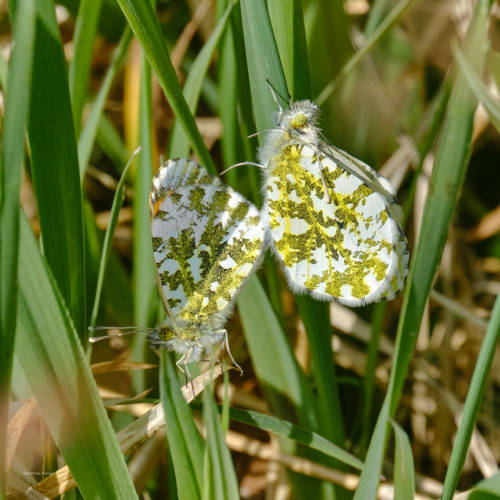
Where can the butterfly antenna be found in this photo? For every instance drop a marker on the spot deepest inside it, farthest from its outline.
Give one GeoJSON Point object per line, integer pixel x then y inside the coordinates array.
{"type": "Point", "coordinates": [275, 96]}
{"type": "Point", "coordinates": [241, 164]}
{"type": "Point", "coordinates": [127, 330]}
{"type": "Point", "coordinates": [263, 132]}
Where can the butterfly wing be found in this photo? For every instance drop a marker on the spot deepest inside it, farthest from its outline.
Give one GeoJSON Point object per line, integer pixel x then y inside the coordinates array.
{"type": "Point", "coordinates": [350, 248]}
{"type": "Point", "coordinates": [207, 240]}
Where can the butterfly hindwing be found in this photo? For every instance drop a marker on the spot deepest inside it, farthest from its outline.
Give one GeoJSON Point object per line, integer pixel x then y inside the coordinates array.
{"type": "Point", "coordinates": [334, 223]}
{"type": "Point", "coordinates": [207, 239]}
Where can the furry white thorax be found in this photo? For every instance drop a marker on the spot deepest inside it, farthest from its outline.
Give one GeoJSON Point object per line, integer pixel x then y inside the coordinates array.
{"type": "Point", "coordinates": [194, 341]}
{"type": "Point", "coordinates": [286, 133]}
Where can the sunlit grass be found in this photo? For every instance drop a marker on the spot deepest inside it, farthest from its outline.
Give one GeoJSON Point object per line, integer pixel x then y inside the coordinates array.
{"type": "Point", "coordinates": [354, 398]}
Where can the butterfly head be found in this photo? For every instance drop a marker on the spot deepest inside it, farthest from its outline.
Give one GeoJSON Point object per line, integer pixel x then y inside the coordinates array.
{"type": "Point", "coordinates": [300, 119]}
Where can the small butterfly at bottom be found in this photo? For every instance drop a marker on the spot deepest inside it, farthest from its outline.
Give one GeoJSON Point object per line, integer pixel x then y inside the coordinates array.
{"type": "Point", "coordinates": [207, 241]}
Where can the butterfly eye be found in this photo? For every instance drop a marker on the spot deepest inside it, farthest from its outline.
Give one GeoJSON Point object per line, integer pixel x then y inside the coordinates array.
{"type": "Point", "coordinates": [299, 121]}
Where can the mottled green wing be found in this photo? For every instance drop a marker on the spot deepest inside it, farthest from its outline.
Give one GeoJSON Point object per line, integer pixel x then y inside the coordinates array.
{"type": "Point", "coordinates": [207, 240]}
{"type": "Point", "coordinates": [347, 246]}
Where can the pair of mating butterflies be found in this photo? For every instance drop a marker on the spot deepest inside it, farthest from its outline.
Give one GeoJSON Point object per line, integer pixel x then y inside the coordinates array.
{"type": "Point", "coordinates": [331, 220]}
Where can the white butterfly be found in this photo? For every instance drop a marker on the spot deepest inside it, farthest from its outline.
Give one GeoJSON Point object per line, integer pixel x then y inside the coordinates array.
{"type": "Point", "coordinates": [207, 240]}
{"type": "Point", "coordinates": [334, 223]}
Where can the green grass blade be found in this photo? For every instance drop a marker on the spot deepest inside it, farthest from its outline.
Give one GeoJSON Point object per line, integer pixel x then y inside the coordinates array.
{"type": "Point", "coordinates": [263, 62]}
{"type": "Point", "coordinates": [300, 434]}
{"type": "Point", "coordinates": [145, 25]}
{"type": "Point", "coordinates": [106, 248]}
{"type": "Point", "coordinates": [223, 481]}
{"type": "Point", "coordinates": [289, 31]}
{"type": "Point", "coordinates": [12, 155]}
{"type": "Point", "coordinates": [144, 284]}
{"type": "Point", "coordinates": [54, 163]}
{"type": "Point", "coordinates": [184, 440]}
{"type": "Point", "coordinates": [404, 474]}
{"type": "Point", "coordinates": [117, 295]}
{"type": "Point", "coordinates": [231, 140]}
{"type": "Point", "coordinates": [90, 129]}
{"type": "Point", "coordinates": [487, 489]}
{"type": "Point", "coordinates": [179, 145]}
{"type": "Point", "coordinates": [271, 354]}
{"type": "Point", "coordinates": [79, 67]}
{"type": "Point", "coordinates": [54, 363]}
{"type": "Point", "coordinates": [288, 28]}
{"type": "Point", "coordinates": [448, 174]}
{"type": "Point", "coordinates": [472, 403]}
{"type": "Point", "coordinates": [491, 105]}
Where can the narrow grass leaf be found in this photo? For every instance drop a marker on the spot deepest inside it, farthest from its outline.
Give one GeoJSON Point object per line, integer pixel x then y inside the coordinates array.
{"type": "Point", "coordinates": [145, 25]}
{"type": "Point", "coordinates": [12, 155]}
{"type": "Point", "coordinates": [263, 62]}
{"type": "Point", "coordinates": [185, 443]}
{"type": "Point", "coordinates": [144, 284]}
{"type": "Point", "coordinates": [472, 403]}
{"type": "Point", "coordinates": [224, 482]}
{"type": "Point", "coordinates": [54, 163]}
{"type": "Point", "coordinates": [448, 174]}
{"type": "Point", "coordinates": [404, 473]}
{"type": "Point", "coordinates": [229, 75]}
{"type": "Point", "coordinates": [52, 358]}
{"type": "Point", "coordinates": [90, 129]}
{"type": "Point", "coordinates": [289, 31]}
{"type": "Point", "coordinates": [79, 66]}
{"type": "Point", "coordinates": [106, 248]}
{"type": "Point", "coordinates": [300, 434]}
{"type": "Point", "coordinates": [179, 145]}
{"type": "Point", "coordinates": [491, 105]}
{"type": "Point", "coordinates": [271, 354]}
{"type": "Point", "coordinates": [117, 293]}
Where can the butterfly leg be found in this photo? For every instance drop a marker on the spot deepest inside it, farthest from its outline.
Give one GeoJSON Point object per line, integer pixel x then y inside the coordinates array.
{"type": "Point", "coordinates": [226, 342]}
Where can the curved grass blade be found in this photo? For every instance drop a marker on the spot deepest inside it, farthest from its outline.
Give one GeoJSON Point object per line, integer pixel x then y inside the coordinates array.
{"type": "Point", "coordinates": [12, 155]}
{"type": "Point", "coordinates": [300, 434]}
{"type": "Point", "coordinates": [185, 443]}
{"type": "Point", "coordinates": [54, 164]}
{"type": "Point", "coordinates": [145, 25]}
{"type": "Point", "coordinates": [54, 363]}
{"type": "Point", "coordinates": [404, 475]}
{"type": "Point", "coordinates": [179, 145]}
{"type": "Point", "coordinates": [472, 403]}
{"type": "Point", "coordinates": [491, 105]}
{"type": "Point", "coordinates": [106, 247]}
{"type": "Point", "coordinates": [448, 174]}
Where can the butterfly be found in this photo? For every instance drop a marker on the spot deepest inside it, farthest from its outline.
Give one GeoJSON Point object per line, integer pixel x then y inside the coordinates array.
{"type": "Point", "coordinates": [207, 241]}
{"type": "Point", "coordinates": [333, 222]}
